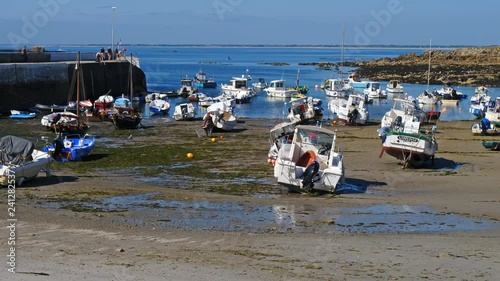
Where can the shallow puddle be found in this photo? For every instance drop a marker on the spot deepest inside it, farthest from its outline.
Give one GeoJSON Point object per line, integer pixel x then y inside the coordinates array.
{"type": "Point", "coordinates": [146, 211]}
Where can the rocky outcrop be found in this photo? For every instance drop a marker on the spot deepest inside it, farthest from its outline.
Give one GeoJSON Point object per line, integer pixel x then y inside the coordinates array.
{"type": "Point", "coordinates": [464, 66]}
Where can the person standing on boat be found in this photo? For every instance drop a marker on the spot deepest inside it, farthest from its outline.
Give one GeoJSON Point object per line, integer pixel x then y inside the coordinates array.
{"type": "Point", "coordinates": [208, 124]}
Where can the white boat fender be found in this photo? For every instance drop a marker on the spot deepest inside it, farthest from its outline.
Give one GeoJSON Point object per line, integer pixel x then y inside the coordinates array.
{"type": "Point", "coordinates": [67, 143]}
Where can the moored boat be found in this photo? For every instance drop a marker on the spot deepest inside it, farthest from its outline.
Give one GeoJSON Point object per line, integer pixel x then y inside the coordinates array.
{"type": "Point", "coordinates": [337, 88]}
{"type": "Point", "coordinates": [394, 87]}
{"type": "Point", "coordinates": [200, 80]}
{"type": "Point", "coordinates": [21, 114]}
{"type": "Point", "coordinates": [278, 89]}
{"type": "Point", "coordinates": [373, 91]}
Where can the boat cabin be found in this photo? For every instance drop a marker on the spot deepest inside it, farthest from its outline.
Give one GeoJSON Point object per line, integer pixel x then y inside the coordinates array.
{"type": "Point", "coordinates": [373, 86]}
{"type": "Point", "coordinates": [277, 84]}
{"type": "Point", "coordinates": [239, 83]}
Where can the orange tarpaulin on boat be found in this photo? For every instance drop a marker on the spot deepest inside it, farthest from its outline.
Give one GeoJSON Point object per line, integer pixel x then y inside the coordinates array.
{"type": "Point", "coordinates": [306, 159]}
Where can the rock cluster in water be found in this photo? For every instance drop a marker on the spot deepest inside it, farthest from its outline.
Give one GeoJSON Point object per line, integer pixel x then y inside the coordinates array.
{"type": "Point", "coordinates": [464, 66]}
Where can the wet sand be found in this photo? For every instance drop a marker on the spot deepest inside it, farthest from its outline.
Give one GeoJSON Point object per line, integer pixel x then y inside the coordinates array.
{"type": "Point", "coordinates": [439, 222]}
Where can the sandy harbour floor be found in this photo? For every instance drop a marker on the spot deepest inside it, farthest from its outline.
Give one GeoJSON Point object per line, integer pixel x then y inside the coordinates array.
{"type": "Point", "coordinates": [317, 242]}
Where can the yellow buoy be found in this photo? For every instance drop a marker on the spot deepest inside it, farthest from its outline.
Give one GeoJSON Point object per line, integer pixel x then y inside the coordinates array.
{"type": "Point", "coordinates": [213, 139]}
{"type": "Point", "coordinates": [190, 155]}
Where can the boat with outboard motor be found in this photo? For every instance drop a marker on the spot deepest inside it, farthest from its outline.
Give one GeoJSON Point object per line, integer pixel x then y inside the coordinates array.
{"type": "Point", "coordinates": [311, 161]}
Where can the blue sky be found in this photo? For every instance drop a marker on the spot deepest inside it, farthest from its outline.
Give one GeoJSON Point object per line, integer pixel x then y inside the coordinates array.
{"type": "Point", "coordinates": [276, 22]}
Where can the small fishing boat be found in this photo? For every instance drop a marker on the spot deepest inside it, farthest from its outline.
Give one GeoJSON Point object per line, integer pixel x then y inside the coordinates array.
{"type": "Point", "coordinates": [337, 88]}
{"type": "Point", "coordinates": [312, 161]}
{"type": "Point", "coordinates": [448, 92]}
{"type": "Point", "coordinates": [407, 109]}
{"type": "Point", "coordinates": [159, 106]}
{"type": "Point", "coordinates": [427, 98]}
{"type": "Point", "coordinates": [493, 145]}
{"type": "Point", "coordinates": [222, 116]}
{"type": "Point", "coordinates": [200, 80]}
{"type": "Point", "coordinates": [20, 161]}
{"type": "Point", "coordinates": [356, 82]}
{"type": "Point", "coordinates": [104, 102]}
{"type": "Point", "coordinates": [406, 142]}
{"type": "Point", "coordinates": [238, 89]}
{"type": "Point", "coordinates": [19, 114]}
{"type": "Point", "coordinates": [260, 85]}
{"type": "Point", "coordinates": [280, 134]}
{"type": "Point", "coordinates": [305, 110]}
{"type": "Point", "coordinates": [373, 91]}
{"type": "Point", "coordinates": [352, 111]}
{"type": "Point", "coordinates": [278, 89]}
{"type": "Point", "coordinates": [394, 87]}
{"type": "Point", "coordinates": [484, 127]}
{"type": "Point", "coordinates": [186, 88]}
{"type": "Point", "coordinates": [493, 111]}
{"type": "Point", "coordinates": [184, 111]}
{"type": "Point", "coordinates": [70, 147]}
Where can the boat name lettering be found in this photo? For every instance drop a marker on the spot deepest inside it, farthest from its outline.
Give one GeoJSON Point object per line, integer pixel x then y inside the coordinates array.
{"type": "Point", "coordinates": [407, 139]}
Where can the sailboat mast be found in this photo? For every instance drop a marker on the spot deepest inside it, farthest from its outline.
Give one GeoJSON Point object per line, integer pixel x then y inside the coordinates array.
{"type": "Point", "coordinates": [131, 82]}
{"type": "Point", "coordinates": [342, 55]}
{"type": "Point", "coordinates": [429, 70]}
{"type": "Point", "coordinates": [77, 69]}
{"type": "Point", "coordinates": [298, 78]}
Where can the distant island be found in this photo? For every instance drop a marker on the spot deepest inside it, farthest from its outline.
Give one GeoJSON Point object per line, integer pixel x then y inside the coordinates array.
{"type": "Point", "coordinates": [477, 66]}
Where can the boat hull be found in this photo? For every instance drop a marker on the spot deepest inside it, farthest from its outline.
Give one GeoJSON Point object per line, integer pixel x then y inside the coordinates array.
{"type": "Point", "coordinates": [409, 147]}
{"type": "Point", "coordinates": [74, 148]}
{"type": "Point", "coordinates": [209, 84]}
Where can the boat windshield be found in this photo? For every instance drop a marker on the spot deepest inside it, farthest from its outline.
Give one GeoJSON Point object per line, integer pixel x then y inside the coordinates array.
{"type": "Point", "coordinates": [314, 137]}
{"type": "Point", "coordinates": [238, 84]}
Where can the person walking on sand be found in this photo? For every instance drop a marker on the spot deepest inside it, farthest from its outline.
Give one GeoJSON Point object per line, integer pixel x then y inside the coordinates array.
{"type": "Point", "coordinates": [208, 125]}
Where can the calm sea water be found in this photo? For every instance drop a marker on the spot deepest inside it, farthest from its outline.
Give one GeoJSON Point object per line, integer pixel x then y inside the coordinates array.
{"type": "Point", "coordinates": [165, 66]}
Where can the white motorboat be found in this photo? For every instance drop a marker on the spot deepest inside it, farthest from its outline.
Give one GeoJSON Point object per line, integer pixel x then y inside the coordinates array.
{"type": "Point", "coordinates": [493, 111]}
{"type": "Point", "coordinates": [373, 91]}
{"type": "Point", "coordinates": [280, 134]}
{"type": "Point", "coordinates": [337, 88]}
{"type": "Point", "coordinates": [352, 111]}
{"type": "Point", "coordinates": [484, 127]}
{"type": "Point", "coordinates": [427, 98]}
{"type": "Point", "coordinates": [184, 111]}
{"type": "Point", "coordinates": [187, 87]}
{"type": "Point", "coordinates": [278, 89]}
{"type": "Point", "coordinates": [58, 117]}
{"type": "Point", "coordinates": [239, 89]}
{"type": "Point", "coordinates": [356, 82]}
{"type": "Point", "coordinates": [312, 161]}
{"type": "Point", "coordinates": [479, 104]}
{"type": "Point", "coordinates": [155, 96]}
{"type": "Point", "coordinates": [159, 106]}
{"type": "Point", "coordinates": [261, 85]}
{"type": "Point", "coordinates": [406, 142]}
{"type": "Point", "coordinates": [20, 161]}
{"type": "Point", "coordinates": [305, 109]}
{"type": "Point", "coordinates": [407, 109]}
{"type": "Point", "coordinates": [222, 116]}
{"type": "Point", "coordinates": [448, 92]}
{"type": "Point", "coordinates": [394, 87]}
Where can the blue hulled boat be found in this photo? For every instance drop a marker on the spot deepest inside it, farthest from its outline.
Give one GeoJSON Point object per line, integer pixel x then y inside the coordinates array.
{"type": "Point", "coordinates": [70, 147]}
